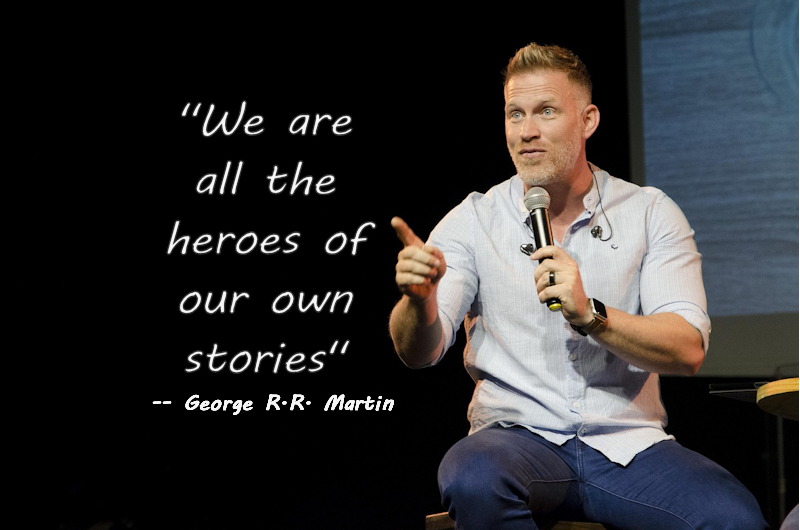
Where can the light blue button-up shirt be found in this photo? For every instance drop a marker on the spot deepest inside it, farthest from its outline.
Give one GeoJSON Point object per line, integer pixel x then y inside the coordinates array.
{"type": "Point", "coordinates": [529, 366]}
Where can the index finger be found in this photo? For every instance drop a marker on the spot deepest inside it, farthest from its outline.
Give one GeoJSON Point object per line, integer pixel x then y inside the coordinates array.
{"type": "Point", "coordinates": [548, 251]}
{"type": "Point", "coordinates": [405, 234]}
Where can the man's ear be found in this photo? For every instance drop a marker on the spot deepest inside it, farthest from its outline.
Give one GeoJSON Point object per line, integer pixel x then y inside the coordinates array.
{"type": "Point", "coordinates": [591, 119]}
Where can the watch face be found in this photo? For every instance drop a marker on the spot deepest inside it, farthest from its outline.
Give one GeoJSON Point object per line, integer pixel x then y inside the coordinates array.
{"type": "Point", "coordinates": [599, 314]}
{"type": "Point", "coordinates": [599, 307]}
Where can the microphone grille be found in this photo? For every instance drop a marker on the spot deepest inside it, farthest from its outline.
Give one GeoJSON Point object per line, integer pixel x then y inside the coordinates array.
{"type": "Point", "coordinates": [537, 198]}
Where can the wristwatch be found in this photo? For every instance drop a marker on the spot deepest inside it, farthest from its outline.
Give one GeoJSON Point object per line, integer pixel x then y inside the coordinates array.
{"type": "Point", "coordinates": [599, 318]}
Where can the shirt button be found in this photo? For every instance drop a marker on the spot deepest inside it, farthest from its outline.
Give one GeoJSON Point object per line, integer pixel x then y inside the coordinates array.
{"type": "Point", "coordinates": [583, 431]}
{"type": "Point", "coordinates": [572, 357]}
{"type": "Point", "coordinates": [576, 405]}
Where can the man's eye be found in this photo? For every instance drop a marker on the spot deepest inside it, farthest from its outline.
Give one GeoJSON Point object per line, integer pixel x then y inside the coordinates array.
{"type": "Point", "coordinates": [548, 111]}
{"type": "Point", "coordinates": [516, 115]}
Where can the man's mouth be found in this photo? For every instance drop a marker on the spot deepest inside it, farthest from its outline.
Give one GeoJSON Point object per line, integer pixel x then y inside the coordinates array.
{"type": "Point", "coordinates": [531, 153]}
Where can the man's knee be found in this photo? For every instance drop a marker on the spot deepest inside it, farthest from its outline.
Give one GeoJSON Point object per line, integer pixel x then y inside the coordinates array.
{"type": "Point", "coordinates": [499, 462]}
{"type": "Point", "coordinates": [479, 487]}
{"type": "Point", "coordinates": [468, 471]}
{"type": "Point", "coordinates": [735, 504]}
{"type": "Point", "coordinates": [707, 494]}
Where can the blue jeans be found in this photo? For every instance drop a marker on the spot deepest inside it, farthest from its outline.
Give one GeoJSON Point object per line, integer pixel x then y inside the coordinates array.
{"type": "Point", "coordinates": [507, 478]}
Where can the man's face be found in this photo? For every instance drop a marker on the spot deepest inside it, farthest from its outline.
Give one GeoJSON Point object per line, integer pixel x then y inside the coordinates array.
{"type": "Point", "coordinates": [544, 125]}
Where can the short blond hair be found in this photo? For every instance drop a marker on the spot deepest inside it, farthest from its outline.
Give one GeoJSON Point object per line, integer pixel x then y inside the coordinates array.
{"type": "Point", "coordinates": [534, 57]}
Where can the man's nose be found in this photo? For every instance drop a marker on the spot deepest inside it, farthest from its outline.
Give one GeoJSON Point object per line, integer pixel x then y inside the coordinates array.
{"type": "Point", "coordinates": [529, 129]}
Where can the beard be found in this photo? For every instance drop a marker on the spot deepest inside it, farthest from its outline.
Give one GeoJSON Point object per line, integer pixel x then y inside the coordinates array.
{"type": "Point", "coordinates": [554, 167]}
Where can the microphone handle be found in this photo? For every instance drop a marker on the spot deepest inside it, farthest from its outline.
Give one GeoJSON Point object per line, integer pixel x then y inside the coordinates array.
{"type": "Point", "coordinates": [543, 235]}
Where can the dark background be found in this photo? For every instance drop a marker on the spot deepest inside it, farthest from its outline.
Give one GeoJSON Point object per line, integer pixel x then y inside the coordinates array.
{"type": "Point", "coordinates": [425, 98]}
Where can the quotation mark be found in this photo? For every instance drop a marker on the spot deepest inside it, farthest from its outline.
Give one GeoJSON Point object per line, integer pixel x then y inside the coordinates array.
{"type": "Point", "coordinates": [336, 343]}
{"type": "Point", "coordinates": [186, 109]}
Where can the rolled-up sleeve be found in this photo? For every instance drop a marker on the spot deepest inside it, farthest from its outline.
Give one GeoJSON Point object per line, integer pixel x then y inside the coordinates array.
{"type": "Point", "coordinates": [458, 288]}
{"type": "Point", "coordinates": [671, 278]}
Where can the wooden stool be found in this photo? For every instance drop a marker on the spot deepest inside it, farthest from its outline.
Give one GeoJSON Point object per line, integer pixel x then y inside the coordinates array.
{"type": "Point", "coordinates": [779, 398]}
{"type": "Point", "coordinates": [442, 521]}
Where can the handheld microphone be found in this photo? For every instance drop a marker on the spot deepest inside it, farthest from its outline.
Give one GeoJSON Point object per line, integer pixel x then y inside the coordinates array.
{"type": "Point", "coordinates": [537, 201]}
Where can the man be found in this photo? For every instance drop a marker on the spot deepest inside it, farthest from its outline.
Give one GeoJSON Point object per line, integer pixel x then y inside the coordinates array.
{"type": "Point", "coordinates": [566, 417]}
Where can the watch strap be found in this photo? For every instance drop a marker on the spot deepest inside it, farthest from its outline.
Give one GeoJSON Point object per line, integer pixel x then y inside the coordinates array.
{"type": "Point", "coordinates": [599, 318]}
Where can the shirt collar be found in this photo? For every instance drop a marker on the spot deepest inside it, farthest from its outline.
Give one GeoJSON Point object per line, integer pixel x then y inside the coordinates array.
{"type": "Point", "coordinates": [590, 201]}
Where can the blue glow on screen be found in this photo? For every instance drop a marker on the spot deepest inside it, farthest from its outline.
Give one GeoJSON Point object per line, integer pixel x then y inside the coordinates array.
{"type": "Point", "coordinates": [720, 104]}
